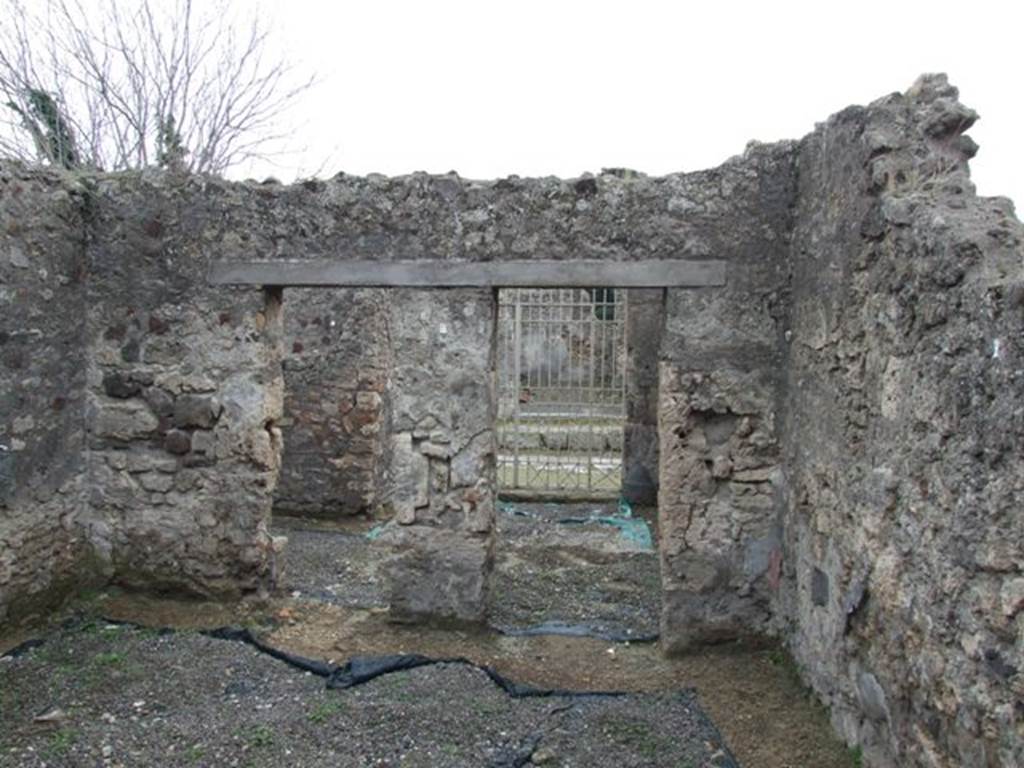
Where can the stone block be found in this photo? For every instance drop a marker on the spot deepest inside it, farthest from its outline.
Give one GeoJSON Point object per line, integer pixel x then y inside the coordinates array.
{"type": "Point", "coordinates": [121, 385]}
{"type": "Point", "coordinates": [128, 420]}
{"type": "Point", "coordinates": [872, 697]}
{"type": "Point", "coordinates": [439, 576]}
{"type": "Point", "coordinates": [196, 411]}
{"type": "Point", "coordinates": [411, 477]}
{"type": "Point", "coordinates": [690, 620]}
{"type": "Point", "coordinates": [178, 442]}
{"type": "Point", "coordinates": [819, 587]}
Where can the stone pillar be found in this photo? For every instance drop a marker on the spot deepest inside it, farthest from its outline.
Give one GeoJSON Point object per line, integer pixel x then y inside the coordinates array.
{"type": "Point", "coordinates": [440, 482]}
{"type": "Point", "coordinates": [644, 326]}
{"type": "Point", "coordinates": [716, 506]}
{"type": "Point", "coordinates": [719, 466]}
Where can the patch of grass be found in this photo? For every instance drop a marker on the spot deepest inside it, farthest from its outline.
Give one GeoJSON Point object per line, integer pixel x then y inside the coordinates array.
{"type": "Point", "coordinates": [60, 742]}
{"type": "Point", "coordinates": [89, 626]}
{"type": "Point", "coordinates": [195, 753]}
{"type": "Point", "coordinates": [779, 658]}
{"type": "Point", "coordinates": [8, 699]}
{"type": "Point", "coordinates": [149, 633]}
{"type": "Point", "coordinates": [259, 736]}
{"type": "Point", "coordinates": [856, 756]}
{"type": "Point", "coordinates": [486, 707]}
{"type": "Point", "coordinates": [109, 659]}
{"type": "Point", "coordinates": [397, 686]}
{"type": "Point", "coordinates": [633, 733]}
{"type": "Point", "coordinates": [325, 710]}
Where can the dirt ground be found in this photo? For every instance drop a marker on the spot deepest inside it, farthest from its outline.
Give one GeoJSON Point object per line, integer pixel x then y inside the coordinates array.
{"type": "Point", "coordinates": [98, 693]}
{"type": "Point", "coordinates": [564, 565]}
{"type": "Point", "coordinates": [556, 566]}
{"type": "Point", "coordinates": [332, 609]}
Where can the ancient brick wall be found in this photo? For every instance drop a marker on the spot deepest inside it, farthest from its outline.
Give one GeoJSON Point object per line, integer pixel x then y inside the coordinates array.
{"type": "Point", "coordinates": [42, 386]}
{"type": "Point", "coordinates": [903, 434]}
{"type": "Point", "coordinates": [336, 363]}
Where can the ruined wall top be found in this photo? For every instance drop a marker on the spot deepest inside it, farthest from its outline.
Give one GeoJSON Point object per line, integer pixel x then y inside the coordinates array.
{"type": "Point", "coordinates": [736, 211]}
{"type": "Point", "coordinates": [729, 211]}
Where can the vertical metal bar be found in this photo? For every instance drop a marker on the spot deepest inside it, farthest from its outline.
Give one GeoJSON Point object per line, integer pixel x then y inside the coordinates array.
{"type": "Point", "coordinates": [589, 410]}
{"type": "Point", "coordinates": [561, 471]}
{"type": "Point", "coordinates": [517, 384]}
{"type": "Point", "coordinates": [623, 372]}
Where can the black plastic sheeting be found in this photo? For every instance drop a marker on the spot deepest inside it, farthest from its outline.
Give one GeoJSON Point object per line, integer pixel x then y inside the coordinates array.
{"type": "Point", "coordinates": [22, 648]}
{"type": "Point", "coordinates": [363, 669]}
{"type": "Point", "coordinates": [359, 669]}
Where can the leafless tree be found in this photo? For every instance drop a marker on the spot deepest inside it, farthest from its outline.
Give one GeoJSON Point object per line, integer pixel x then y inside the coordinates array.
{"type": "Point", "coordinates": [117, 84]}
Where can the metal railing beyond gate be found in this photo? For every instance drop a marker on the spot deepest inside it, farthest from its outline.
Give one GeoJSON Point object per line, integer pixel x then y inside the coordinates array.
{"type": "Point", "coordinates": [561, 379]}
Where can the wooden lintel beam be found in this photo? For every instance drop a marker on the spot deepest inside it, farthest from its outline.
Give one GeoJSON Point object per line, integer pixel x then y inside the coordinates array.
{"type": "Point", "coordinates": [524, 273]}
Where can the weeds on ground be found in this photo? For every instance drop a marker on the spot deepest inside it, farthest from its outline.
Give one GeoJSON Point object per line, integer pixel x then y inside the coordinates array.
{"type": "Point", "coordinates": [451, 750]}
{"type": "Point", "coordinates": [783, 661]}
{"type": "Point", "coordinates": [397, 686]}
{"type": "Point", "coordinates": [60, 742]}
{"type": "Point", "coordinates": [258, 736]}
{"type": "Point", "coordinates": [109, 659]}
{"type": "Point", "coordinates": [325, 710]}
{"type": "Point", "coordinates": [633, 733]}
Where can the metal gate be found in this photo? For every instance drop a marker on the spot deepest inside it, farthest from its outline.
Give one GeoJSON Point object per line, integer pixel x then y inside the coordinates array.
{"type": "Point", "coordinates": [561, 374]}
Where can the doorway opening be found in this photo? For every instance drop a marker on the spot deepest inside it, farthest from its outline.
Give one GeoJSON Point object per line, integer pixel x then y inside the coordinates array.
{"type": "Point", "coordinates": [573, 557]}
{"type": "Point", "coordinates": [385, 387]}
{"type": "Point", "coordinates": [561, 392]}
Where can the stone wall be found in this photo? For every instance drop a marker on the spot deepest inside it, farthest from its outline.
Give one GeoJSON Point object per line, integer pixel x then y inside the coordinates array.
{"type": "Point", "coordinates": [42, 386]}
{"type": "Point", "coordinates": [336, 363]}
{"type": "Point", "coordinates": [183, 395]}
{"type": "Point", "coordinates": [441, 476]}
{"type": "Point", "coordinates": [740, 212]}
{"type": "Point", "coordinates": [840, 426]}
{"type": "Point", "coordinates": [904, 438]}
{"type": "Point", "coordinates": [718, 501]}
{"type": "Point", "coordinates": [644, 327]}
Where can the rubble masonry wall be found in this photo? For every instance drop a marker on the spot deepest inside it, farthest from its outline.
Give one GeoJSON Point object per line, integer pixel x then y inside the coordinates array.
{"type": "Point", "coordinates": [903, 431]}
{"type": "Point", "coordinates": [839, 427]}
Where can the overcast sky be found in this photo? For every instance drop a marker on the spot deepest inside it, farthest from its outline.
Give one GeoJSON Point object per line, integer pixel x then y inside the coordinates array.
{"type": "Point", "coordinates": [562, 87]}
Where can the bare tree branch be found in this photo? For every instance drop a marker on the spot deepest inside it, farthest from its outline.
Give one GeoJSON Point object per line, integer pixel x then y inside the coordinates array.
{"type": "Point", "coordinates": [117, 84]}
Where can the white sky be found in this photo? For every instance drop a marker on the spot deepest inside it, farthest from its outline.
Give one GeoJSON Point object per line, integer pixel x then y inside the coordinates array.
{"type": "Point", "coordinates": [561, 87]}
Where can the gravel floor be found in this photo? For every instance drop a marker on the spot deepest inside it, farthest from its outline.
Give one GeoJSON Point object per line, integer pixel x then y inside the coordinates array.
{"type": "Point", "coordinates": [110, 695]}
{"type": "Point", "coordinates": [579, 576]}
{"type": "Point", "coordinates": [336, 567]}
{"type": "Point", "coordinates": [549, 575]}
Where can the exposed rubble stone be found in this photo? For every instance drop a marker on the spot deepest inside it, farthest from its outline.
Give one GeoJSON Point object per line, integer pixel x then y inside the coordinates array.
{"type": "Point", "coordinates": [438, 575]}
{"type": "Point", "coordinates": [839, 428]}
{"type": "Point", "coordinates": [903, 433]}
{"type": "Point", "coordinates": [42, 390]}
